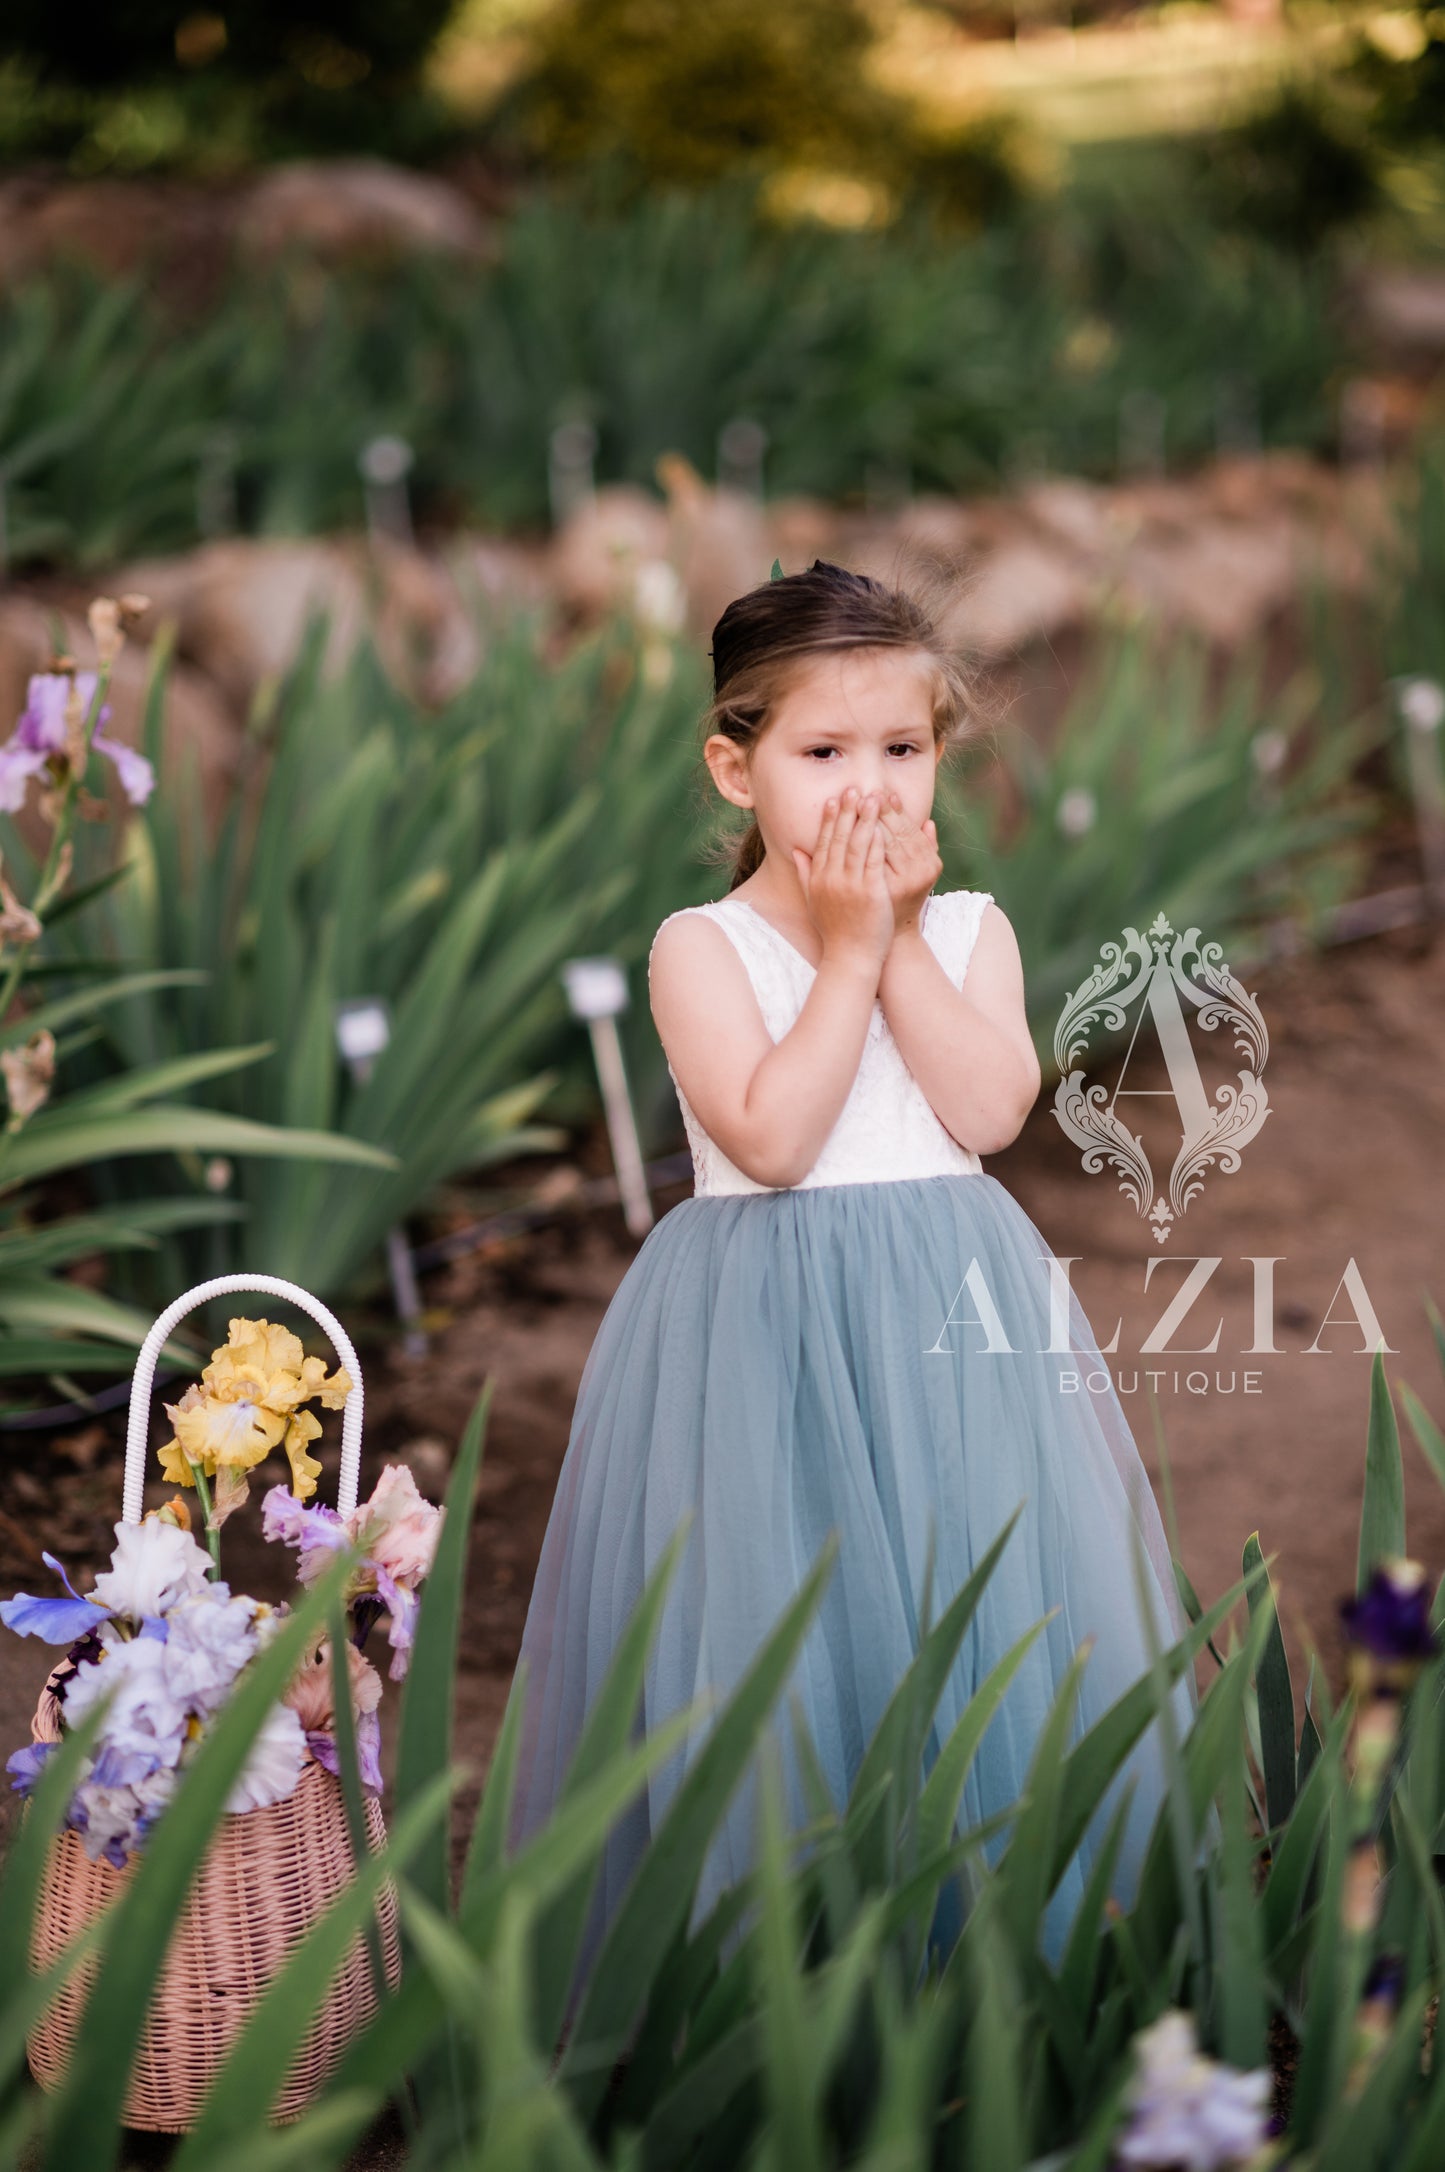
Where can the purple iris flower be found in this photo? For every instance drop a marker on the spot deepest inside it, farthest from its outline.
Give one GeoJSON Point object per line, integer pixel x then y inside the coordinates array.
{"type": "Point", "coordinates": [58, 1621]}
{"type": "Point", "coordinates": [1386, 1978]}
{"type": "Point", "coordinates": [403, 1606]}
{"type": "Point", "coordinates": [26, 1765]}
{"type": "Point", "coordinates": [1390, 1618]}
{"type": "Point", "coordinates": [316, 1533]}
{"type": "Point", "coordinates": [41, 733]}
{"type": "Point", "coordinates": [368, 1751]}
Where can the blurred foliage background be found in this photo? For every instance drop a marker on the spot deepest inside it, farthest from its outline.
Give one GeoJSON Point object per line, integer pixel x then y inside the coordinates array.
{"type": "Point", "coordinates": [962, 248]}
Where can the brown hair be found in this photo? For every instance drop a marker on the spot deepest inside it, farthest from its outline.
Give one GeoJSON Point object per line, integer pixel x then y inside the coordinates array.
{"type": "Point", "coordinates": [765, 637]}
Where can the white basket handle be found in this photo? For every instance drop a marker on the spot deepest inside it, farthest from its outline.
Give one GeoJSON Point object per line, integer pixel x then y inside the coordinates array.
{"type": "Point", "coordinates": [138, 1428]}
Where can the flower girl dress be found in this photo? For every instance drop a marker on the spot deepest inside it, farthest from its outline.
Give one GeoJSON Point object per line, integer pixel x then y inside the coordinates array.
{"type": "Point", "coordinates": [868, 1352]}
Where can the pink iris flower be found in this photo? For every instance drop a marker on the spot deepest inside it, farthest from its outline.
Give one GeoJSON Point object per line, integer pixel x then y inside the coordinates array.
{"type": "Point", "coordinates": [41, 733]}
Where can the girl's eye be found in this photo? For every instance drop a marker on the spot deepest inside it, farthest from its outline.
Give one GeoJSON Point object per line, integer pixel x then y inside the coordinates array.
{"type": "Point", "coordinates": [899, 746]}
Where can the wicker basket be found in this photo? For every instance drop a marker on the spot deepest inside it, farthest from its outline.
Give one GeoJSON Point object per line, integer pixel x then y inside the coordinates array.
{"type": "Point", "coordinates": [266, 1878]}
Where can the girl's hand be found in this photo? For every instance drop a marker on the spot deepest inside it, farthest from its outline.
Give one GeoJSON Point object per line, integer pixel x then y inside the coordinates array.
{"type": "Point", "coordinates": [911, 862]}
{"type": "Point", "coordinates": [843, 880]}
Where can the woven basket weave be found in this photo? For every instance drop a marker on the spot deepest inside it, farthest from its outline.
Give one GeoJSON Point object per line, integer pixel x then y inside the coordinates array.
{"type": "Point", "coordinates": [266, 1878]}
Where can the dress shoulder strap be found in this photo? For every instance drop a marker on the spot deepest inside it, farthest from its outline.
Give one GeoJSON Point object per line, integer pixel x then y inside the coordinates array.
{"type": "Point", "coordinates": [959, 916]}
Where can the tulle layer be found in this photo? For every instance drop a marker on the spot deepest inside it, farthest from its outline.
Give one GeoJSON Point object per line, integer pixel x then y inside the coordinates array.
{"type": "Point", "coordinates": [877, 1360]}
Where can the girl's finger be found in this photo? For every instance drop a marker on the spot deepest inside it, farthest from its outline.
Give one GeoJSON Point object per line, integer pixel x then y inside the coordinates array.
{"type": "Point", "coordinates": [827, 859]}
{"type": "Point", "coordinates": [845, 830]}
{"type": "Point", "coordinates": [861, 836]}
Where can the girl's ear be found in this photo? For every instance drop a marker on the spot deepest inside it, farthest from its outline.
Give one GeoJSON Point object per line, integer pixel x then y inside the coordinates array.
{"type": "Point", "coordinates": [727, 768]}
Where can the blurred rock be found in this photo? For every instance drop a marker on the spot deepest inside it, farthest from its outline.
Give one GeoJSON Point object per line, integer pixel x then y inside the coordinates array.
{"type": "Point", "coordinates": [118, 227]}
{"type": "Point", "coordinates": [491, 575]}
{"type": "Point", "coordinates": [800, 530]}
{"type": "Point", "coordinates": [1023, 591]}
{"type": "Point", "coordinates": [1222, 551]}
{"type": "Point", "coordinates": [945, 530]}
{"type": "Point", "coordinates": [342, 207]}
{"type": "Point", "coordinates": [1083, 516]}
{"type": "Point", "coordinates": [717, 541]}
{"type": "Point", "coordinates": [1222, 578]}
{"type": "Point", "coordinates": [241, 605]}
{"type": "Point", "coordinates": [1404, 306]}
{"type": "Point", "coordinates": [594, 557]}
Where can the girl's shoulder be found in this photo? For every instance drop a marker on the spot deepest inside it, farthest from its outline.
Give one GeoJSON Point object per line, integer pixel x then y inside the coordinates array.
{"type": "Point", "coordinates": [707, 911]}
{"type": "Point", "coordinates": [688, 916]}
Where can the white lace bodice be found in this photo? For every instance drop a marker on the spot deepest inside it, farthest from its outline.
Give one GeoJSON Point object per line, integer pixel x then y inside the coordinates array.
{"type": "Point", "coordinates": [887, 1128]}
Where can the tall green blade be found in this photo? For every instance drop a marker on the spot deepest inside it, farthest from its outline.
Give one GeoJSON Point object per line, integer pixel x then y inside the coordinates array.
{"type": "Point", "coordinates": [424, 1747]}
{"type": "Point", "coordinates": [1276, 1695]}
{"type": "Point", "coordinates": [1382, 1513]}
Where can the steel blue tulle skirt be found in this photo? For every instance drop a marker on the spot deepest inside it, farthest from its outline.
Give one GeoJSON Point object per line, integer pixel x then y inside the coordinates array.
{"type": "Point", "coordinates": [875, 1360]}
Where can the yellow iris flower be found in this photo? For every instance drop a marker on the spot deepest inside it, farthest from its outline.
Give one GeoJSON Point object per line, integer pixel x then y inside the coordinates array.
{"type": "Point", "coordinates": [304, 1468]}
{"type": "Point", "coordinates": [247, 1402]}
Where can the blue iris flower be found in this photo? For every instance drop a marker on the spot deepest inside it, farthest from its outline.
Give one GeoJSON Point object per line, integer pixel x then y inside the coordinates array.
{"type": "Point", "coordinates": [57, 1621]}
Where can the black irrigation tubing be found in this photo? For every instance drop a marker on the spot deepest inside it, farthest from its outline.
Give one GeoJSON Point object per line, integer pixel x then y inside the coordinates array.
{"type": "Point", "coordinates": [594, 1192]}
{"type": "Point", "coordinates": [112, 1398]}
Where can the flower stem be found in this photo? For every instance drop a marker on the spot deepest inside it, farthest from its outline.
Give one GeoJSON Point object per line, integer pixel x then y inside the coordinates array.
{"type": "Point", "coordinates": [51, 875]}
{"type": "Point", "coordinates": [213, 1536]}
{"type": "Point", "coordinates": [65, 821]}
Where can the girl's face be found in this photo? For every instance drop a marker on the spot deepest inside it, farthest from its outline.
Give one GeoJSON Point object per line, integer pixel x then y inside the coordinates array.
{"type": "Point", "coordinates": [857, 716]}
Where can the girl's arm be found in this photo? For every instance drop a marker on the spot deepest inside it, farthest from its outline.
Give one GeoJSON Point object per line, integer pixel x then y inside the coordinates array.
{"type": "Point", "coordinates": [969, 1049]}
{"type": "Point", "coordinates": [771, 1105]}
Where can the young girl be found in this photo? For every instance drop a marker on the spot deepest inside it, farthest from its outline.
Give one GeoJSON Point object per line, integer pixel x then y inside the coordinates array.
{"type": "Point", "coordinates": [850, 1327]}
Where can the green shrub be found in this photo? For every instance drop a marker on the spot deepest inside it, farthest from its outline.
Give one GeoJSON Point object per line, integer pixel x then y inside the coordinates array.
{"type": "Point", "coordinates": [447, 864]}
{"type": "Point", "coordinates": [695, 94]}
{"type": "Point", "coordinates": [1296, 172]}
{"type": "Point", "coordinates": [951, 359]}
